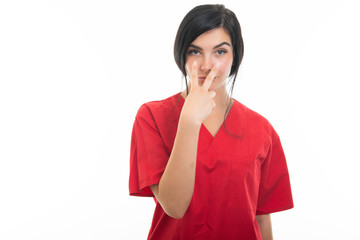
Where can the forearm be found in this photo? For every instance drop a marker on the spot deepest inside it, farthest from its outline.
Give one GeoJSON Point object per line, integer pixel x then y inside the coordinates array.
{"type": "Point", "coordinates": [264, 223]}
{"type": "Point", "coordinates": [176, 186]}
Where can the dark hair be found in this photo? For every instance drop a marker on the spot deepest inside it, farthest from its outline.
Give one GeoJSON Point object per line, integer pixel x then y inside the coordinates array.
{"type": "Point", "coordinates": [202, 19]}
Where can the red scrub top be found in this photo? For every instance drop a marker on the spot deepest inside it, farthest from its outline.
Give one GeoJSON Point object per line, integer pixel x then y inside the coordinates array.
{"type": "Point", "coordinates": [238, 175]}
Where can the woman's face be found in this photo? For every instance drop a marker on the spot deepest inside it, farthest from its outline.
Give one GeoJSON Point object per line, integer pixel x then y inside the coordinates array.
{"type": "Point", "coordinates": [212, 48]}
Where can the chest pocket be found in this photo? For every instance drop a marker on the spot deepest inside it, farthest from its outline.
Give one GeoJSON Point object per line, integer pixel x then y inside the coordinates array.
{"type": "Point", "coordinates": [244, 178]}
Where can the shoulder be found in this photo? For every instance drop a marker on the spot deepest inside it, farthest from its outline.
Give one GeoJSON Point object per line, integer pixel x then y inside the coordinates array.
{"type": "Point", "coordinates": [158, 107]}
{"type": "Point", "coordinates": [254, 119]}
{"type": "Point", "coordinates": [250, 114]}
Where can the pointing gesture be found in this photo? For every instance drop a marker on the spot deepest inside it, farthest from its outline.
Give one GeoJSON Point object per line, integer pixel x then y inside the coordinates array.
{"type": "Point", "coordinates": [200, 101]}
{"type": "Point", "coordinates": [210, 78]}
{"type": "Point", "coordinates": [194, 76]}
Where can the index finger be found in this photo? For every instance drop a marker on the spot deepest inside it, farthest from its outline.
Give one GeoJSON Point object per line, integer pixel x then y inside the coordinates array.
{"type": "Point", "coordinates": [210, 77]}
{"type": "Point", "coordinates": [193, 74]}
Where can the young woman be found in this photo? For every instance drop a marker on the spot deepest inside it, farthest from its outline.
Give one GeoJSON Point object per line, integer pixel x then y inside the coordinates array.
{"type": "Point", "coordinates": [215, 167]}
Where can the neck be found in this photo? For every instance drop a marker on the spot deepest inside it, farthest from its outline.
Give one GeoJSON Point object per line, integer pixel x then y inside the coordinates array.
{"type": "Point", "coordinates": [222, 98]}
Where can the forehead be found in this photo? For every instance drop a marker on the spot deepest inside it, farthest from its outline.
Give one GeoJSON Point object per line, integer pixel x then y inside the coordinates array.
{"type": "Point", "coordinates": [212, 38]}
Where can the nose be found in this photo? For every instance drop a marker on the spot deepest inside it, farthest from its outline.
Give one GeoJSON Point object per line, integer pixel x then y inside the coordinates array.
{"type": "Point", "coordinates": [206, 64]}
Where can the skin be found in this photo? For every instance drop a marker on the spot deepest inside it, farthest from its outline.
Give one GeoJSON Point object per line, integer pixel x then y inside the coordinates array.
{"type": "Point", "coordinates": [208, 65]}
{"type": "Point", "coordinates": [212, 50]}
{"type": "Point", "coordinates": [264, 223]}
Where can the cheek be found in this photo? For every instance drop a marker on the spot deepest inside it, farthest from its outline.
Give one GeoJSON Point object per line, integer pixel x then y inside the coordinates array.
{"type": "Point", "coordinates": [225, 68]}
{"type": "Point", "coordinates": [189, 62]}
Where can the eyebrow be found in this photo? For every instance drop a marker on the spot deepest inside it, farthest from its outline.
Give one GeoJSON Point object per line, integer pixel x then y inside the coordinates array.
{"type": "Point", "coordinates": [219, 45]}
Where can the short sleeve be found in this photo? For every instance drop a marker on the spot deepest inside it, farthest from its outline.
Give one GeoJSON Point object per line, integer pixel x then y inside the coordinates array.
{"type": "Point", "coordinates": [148, 155]}
{"type": "Point", "coordinates": [275, 190]}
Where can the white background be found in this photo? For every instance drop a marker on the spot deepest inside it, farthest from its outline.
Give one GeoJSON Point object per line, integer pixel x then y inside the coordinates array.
{"type": "Point", "coordinates": [74, 73]}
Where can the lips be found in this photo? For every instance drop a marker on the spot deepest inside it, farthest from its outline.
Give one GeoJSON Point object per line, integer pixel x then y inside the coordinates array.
{"type": "Point", "coordinates": [202, 78]}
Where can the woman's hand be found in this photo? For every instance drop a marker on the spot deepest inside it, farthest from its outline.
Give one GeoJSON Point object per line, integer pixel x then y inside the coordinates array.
{"type": "Point", "coordinates": [200, 101]}
{"type": "Point", "coordinates": [176, 186]}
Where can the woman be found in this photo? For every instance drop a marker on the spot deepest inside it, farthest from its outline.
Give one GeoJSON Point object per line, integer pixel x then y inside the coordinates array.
{"type": "Point", "coordinates": [216, 168]}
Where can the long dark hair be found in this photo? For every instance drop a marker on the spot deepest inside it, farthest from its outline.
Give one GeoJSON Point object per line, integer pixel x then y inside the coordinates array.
{"type": "Point", "coordinates": [204, 18]}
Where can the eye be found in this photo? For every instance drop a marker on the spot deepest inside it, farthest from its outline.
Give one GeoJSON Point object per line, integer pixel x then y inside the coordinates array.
{"type": "Point", "coordinates": [221, 52]}
{"type": "Point", "coordinates": [193, 52]}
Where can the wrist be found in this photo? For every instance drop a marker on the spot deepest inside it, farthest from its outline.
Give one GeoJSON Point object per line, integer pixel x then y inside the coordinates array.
{"type": "Point", "coordinates": [189, 123]}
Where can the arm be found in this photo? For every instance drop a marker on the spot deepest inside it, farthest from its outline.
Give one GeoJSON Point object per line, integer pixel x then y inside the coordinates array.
{"type": "Point", "coordinates": [264, 223]}
{"type": "Point", "coordinates": [176, 186]}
